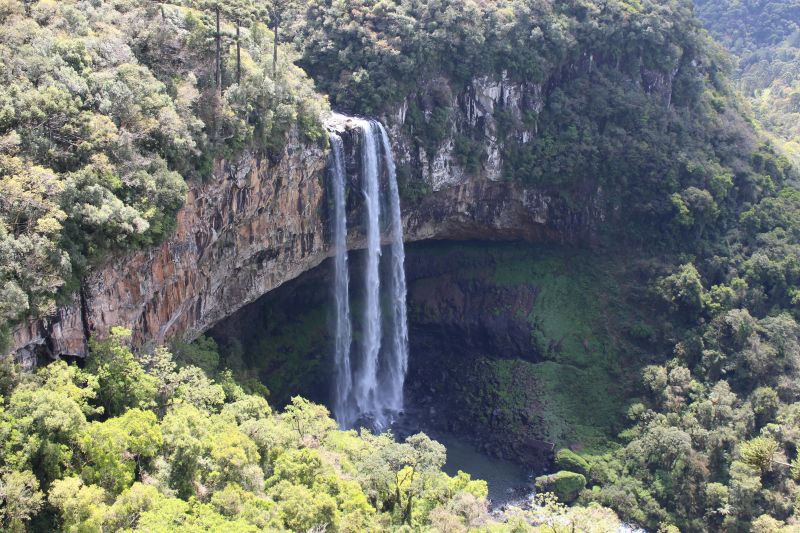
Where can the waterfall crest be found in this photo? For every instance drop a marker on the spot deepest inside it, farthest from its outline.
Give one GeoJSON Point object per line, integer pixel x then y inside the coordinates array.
{"type": "Point", "coordinates": [370, 378]}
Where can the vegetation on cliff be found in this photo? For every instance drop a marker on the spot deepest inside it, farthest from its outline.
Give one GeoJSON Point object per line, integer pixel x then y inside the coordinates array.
{"type": "Point", "coordinates": [106, 109]}
{"type": "Point", "coordinates": [623, 104]}
{"type": "Point", "coordinates": [634, 102]}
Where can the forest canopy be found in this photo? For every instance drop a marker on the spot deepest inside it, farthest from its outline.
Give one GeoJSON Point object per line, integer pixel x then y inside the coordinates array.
{"type": "Point", "coordinates": [111, 110]}
{"type": "Point", "coordinates": [135, 442]}
{"type": "Point", "coordinates": [764, 38]}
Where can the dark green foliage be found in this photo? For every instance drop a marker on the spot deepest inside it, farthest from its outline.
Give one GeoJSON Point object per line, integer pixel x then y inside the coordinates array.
{"type": "Point", "coordinates": [566, 485]}
{"type": "Point", "coordinates": [628, 105]}
{"type": "Point", "coordinates": [106, 108]}
{"type": "Point", "coordinates": [202, 353]}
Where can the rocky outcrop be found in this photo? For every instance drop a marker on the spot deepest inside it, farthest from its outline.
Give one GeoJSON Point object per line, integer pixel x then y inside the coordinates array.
{"type": "Point", "coordinates": [251, 227]}
{"type": "Point", "coordinates": [256, 224]}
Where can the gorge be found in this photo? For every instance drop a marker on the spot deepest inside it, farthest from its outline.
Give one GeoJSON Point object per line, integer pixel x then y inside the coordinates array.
{"type": "Point", "coordinates": [259, 223]}
{"type": "Point", "coordinates": [542, 243]}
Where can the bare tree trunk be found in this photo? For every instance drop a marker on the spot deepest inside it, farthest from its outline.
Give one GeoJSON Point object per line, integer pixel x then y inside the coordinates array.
{"type": "Point", "coordinates": [238, 56]}
{"type": "Point", "coordinates": [219, 56]}
{"type": "Point", "coordinates": [275, 50]}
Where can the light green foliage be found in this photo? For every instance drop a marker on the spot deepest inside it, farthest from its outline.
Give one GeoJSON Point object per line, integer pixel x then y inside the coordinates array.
{"type": "Point", "coordinates": [547, 514]}
{"type": "Point", "coordinates": [81, 507]}
{"type": "Point", "coordinates": [759, 453]}
{"type": "Point", "coordinates": [106, 108]}
{"type": "Point", "coordinates": [42, 418]}
{"type": "Point", "coordinates": [195, 388]}
{"type": "Point", "coordinates": [566, 459]}
{"type": "Point", "coordinates": [116, 447]}
{"type": "Point", "coordinates": [231, 465]}
{"type": "Point", "coordinates": [123, 381]}
{"type": "Point", "coordinates": [20, 499]}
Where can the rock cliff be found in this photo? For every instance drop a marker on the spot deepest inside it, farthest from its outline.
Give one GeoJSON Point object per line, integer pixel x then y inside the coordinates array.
{"type": "Point", "coordinates": [256, 224]}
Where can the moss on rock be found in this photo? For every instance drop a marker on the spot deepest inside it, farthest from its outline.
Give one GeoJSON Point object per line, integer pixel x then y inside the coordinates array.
{"type": "Point", "coordinates": [566, 459]}
{"type": "Point", "coordinates": [564, 484]}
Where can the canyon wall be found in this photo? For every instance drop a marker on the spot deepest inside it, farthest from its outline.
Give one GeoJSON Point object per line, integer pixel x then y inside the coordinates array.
{"type": "Point", "coordinates": [256, 224]}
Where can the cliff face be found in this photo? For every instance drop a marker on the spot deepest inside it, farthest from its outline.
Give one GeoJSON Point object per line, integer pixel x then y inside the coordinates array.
{"type": "Point", "coordinates": [255, 225]}
{"type": "Point", "coordinates": [240, 234]}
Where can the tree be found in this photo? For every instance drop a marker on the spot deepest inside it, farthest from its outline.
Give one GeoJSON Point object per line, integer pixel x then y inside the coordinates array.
{"type": "Point", "coordinates": [193, 386]}
{"type": "Point", "coordinates": [684, 289]}
{"type": "Point", "coordinates": [300, 509]}
{"type": "Point", "coordinates": [123, 382]}
{"type": "Point", "coordinates": [82, 507]}
{"type": "Point", "coordinates": [759, 453]}
{"type": "Point", "coordinates": [130, 505]}
{"type": "Point", "coordinates": [44, 418]}
{"type": "Point", "coordinates": [117, 449]}
{"type": "Point", "coordinates": [185, 429]}
{"type": "Point", "coordinates": [311, 422]}
{"type": "Point", "coordinates": [277, 10]}
{"type": "Point", "coordinates": [397, 473]}
{"type": "Point", "coordinates": [20, 499]}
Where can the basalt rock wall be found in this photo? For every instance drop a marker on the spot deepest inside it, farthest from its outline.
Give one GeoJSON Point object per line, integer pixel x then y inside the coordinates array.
{"type": "Point", "coordinates": [255, 224]}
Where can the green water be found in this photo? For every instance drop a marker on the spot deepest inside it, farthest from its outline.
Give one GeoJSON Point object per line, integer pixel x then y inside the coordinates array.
{"type": "Point", "coordinates": [507, 481]}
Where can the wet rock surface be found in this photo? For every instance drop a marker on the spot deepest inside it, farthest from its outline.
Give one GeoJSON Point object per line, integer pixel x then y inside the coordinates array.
{"type": "Point", "coordinates": [461, 321]}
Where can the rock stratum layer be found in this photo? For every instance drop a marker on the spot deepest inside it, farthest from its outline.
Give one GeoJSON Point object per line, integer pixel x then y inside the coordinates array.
{"type": "Point", "coordinates": [256, 224]}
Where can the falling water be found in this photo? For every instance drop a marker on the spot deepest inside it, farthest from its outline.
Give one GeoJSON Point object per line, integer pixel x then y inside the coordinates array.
{"type": "Point", "coordinates": [344, 380]}
{"type": "Point", "coordinates": [366, 392]}
{"type": "Point", "coordinates": [371, 390]}
{"type": "Point", "coordinates": [397, 363]}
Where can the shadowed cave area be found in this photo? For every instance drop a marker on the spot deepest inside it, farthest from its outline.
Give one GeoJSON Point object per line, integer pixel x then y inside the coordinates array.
{"type": "Point", "coordinates": [512, 349]}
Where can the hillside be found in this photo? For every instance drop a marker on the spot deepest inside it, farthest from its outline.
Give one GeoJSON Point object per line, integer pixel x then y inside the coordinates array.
{"type": "Point", "coordinates": [625, 304]}
{"type": "Point", "coordinates": [764, 38]}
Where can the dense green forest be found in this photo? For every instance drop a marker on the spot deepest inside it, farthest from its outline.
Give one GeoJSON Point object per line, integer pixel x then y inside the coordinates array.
{"type": "Point", "coordinates": [109, 108]}
{"type": "Point", "coordinates": [106, 110]}
{"type": "Point", "coordinates": [764, 38]}
{"type": "Point", "coordinates": [139, 443]}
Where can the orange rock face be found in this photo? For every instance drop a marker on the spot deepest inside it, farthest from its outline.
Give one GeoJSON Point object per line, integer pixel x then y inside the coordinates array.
{"type": "Point", "coordinates": [251, 227]}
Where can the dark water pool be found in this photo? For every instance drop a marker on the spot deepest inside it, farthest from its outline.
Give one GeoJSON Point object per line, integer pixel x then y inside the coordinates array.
{"type": "Point", "coordinates": [508, 482]}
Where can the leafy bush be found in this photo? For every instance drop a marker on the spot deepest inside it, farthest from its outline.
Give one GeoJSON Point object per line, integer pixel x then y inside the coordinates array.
{"type": "Point", "coordinates": [564, 484]}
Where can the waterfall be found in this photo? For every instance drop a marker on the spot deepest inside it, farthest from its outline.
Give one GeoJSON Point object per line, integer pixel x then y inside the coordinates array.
{"type": "Point", "coordinates": [341, 285]}
{"type": "Point", "coordinates": [370, 390]}
{"type": "Point", "coordinates": [367, 383]}
{"type": "Point", "coordinates": [398, 360]}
